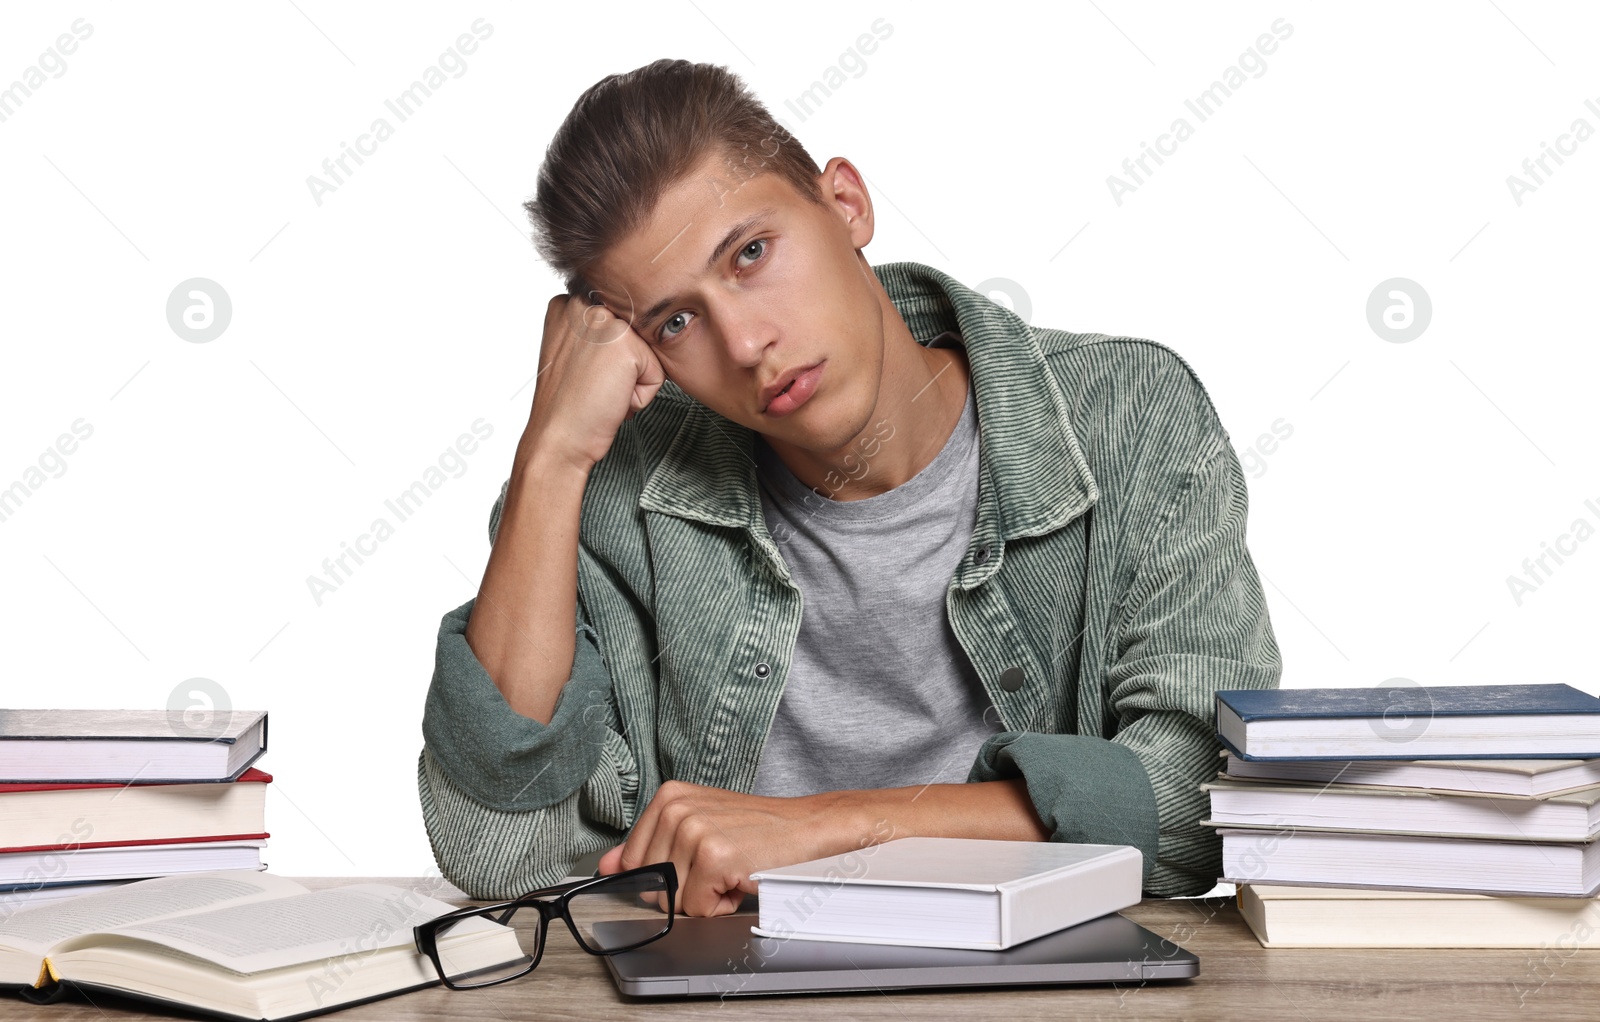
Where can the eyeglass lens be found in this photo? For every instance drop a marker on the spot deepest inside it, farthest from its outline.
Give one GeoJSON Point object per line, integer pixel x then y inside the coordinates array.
{"type": "Point", "coordinates": [621, 912]}
{"type": "Point", "coordinates": [473, 951]}
{"type": "Point", "coordinates": [612, 914]}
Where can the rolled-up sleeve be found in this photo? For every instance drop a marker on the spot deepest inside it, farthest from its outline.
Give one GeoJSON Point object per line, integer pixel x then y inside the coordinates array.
{"type": "Point", "coordinates": [1194, 620]}
{"type": "Point", "coordinates": [509, 761]}
{"type": "Point", "coordinates": [510, 802]}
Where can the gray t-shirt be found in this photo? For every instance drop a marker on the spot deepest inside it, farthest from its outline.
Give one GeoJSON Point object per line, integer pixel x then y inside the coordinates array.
{"type": "Point", "coordinates": [880, 693]}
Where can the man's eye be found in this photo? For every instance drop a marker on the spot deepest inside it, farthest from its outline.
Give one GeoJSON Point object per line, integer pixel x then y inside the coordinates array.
{"type": "Point", "coordinates": [663, 333]}
{"type": "Point", "coordinates": [759, 247]}
{"type": "Point", "coordinates": [758, 253]}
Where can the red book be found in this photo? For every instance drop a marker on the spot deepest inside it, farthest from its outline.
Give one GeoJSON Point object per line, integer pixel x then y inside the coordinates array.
{"type": "Point", "coordinates": [41, 817]}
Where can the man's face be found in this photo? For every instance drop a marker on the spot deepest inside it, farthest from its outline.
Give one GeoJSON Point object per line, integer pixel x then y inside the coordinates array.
{"type": "Point", "coordinates": [788, 289]}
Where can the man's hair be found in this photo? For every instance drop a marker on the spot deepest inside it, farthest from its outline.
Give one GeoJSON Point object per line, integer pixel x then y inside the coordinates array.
{"type": "Point", "coordinates": [631, 136]}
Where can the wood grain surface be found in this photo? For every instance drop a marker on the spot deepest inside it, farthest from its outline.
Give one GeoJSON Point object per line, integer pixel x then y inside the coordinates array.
{"type": "Point", "coordinates": [1239, 980]}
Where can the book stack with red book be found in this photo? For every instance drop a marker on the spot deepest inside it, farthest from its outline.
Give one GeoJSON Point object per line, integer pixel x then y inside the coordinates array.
{"type": "Point", "coordinates": [90, 799]}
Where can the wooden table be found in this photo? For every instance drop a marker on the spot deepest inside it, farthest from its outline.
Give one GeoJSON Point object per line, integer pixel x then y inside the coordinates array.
{"type": "Point", "coordinates": [1239, 980]}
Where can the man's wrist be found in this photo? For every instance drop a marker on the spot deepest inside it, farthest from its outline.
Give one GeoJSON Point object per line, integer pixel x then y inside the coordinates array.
{"type": "Point", "coordinates": [999, 809]}
{"type": "Point", "coordinates": [855, 819]}
{"type": "Point", "coordinates": [544, 463]}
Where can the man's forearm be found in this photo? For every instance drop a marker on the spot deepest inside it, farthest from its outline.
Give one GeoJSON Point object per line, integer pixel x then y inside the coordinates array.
{"type": "Point", "coordinates": [523, 623]}
{"type": "Point", "coordinates": [999, 810]}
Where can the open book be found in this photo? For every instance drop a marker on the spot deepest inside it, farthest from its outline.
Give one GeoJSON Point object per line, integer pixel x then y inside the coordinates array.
{"type": "Point", "coordinates": [239, 943]}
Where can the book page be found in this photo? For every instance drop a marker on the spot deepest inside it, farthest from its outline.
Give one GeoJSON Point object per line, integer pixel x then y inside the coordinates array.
{"type": "Point", "coordinates": [36, 930]}
{"type": "Point", "coordinates": [358, 921]}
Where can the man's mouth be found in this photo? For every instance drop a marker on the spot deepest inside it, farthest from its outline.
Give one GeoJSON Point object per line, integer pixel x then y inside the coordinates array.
{"type": "Point", "coordinates": [795, 393]}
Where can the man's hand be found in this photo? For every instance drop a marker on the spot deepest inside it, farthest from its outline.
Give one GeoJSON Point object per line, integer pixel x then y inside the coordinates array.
{"type": "Point", "coordinates": [717, 838]}
{"type": "Point", "coordinates": [594, 373]}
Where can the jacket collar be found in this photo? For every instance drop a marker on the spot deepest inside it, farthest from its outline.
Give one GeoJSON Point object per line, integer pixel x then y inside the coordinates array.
{"type": "Point", "coordinates": [1026, 444]}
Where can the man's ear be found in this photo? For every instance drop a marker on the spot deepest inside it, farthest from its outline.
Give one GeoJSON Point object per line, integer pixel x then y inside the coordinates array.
{"type": "Point", "coordinates": [845, 194]}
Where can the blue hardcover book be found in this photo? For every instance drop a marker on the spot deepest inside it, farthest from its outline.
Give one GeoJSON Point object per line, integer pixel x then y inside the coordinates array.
{"type": "Point", "coordinates": [1539, 721]}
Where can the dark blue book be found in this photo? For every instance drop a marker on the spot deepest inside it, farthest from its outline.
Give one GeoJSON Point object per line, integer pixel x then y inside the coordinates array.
{"type": "Point", "coordinates": [1542, 721]}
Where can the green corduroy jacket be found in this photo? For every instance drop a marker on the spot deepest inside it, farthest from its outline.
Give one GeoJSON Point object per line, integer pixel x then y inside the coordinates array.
{"type": "Point", "coordinates": [1105, 595]}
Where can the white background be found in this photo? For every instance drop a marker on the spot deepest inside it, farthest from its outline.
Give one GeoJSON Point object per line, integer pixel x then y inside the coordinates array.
{"type": "Point", "coordinates": [371, 330]}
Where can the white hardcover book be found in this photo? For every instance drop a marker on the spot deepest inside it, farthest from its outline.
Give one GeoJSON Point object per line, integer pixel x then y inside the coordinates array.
{"type": "Point", "coordinates": [948, 892]}
{"type": "Point", "coordinates": [1528, 778]}
{"type": "Point", "coordinates": [1400, 860]}
{"type": "Point", "coordinates": [1566, 816]}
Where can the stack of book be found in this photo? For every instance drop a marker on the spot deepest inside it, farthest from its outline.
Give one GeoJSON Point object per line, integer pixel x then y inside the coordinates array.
{"type": "Point", "coordinates": [91, 799]}
{"type": "Point", "coordinates": [1433, 816]}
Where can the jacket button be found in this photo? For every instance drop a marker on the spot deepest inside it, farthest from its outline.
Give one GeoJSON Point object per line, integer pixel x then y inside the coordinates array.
{"type": "Point", "coordinates": [982, 554]}
{"type": "Point", "coordinates": [1011, 679]}
{"type": "Point", "coordinates": [763, 669]}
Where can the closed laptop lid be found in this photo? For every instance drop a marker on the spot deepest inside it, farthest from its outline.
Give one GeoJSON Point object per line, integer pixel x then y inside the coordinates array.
{"type": "Point", "coordinates": [720, 957]}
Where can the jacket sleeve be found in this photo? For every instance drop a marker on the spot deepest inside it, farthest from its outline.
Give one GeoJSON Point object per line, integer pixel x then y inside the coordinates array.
{"type": "Point", "coordinates": [1194, 620]}
{"type": "Point", "coordinates": [509, 803]}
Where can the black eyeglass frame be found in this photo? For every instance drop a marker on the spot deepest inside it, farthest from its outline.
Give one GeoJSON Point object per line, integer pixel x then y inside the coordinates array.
{"type": "Point", "coordinates": [426, 934]}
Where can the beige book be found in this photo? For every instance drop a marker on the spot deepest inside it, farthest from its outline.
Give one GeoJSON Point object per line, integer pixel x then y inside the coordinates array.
{"type": "Point", "coordinates": [240, 943]}
{"type": "Point", "coordinates": [1284, 916]}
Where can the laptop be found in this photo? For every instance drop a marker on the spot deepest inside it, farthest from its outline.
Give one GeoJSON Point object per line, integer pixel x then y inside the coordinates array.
{"type": "Point", "coordinates": [720, 957]}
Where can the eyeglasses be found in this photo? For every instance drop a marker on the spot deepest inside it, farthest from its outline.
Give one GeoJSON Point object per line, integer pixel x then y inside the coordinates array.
{"type": "Point", "coordinates": [606, 915]}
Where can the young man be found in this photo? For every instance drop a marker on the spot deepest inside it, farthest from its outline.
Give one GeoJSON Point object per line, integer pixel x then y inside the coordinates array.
{"type": "Point", "coordinates": [798, 554]}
